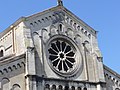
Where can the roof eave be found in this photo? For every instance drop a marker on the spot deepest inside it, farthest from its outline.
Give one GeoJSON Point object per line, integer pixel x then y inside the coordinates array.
{"type": "Point", "coordinates": [12, 26]}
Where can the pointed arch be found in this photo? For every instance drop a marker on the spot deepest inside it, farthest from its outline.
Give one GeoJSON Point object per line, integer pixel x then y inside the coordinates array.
{"type": "Point", "coordinates": [45, 35]}
{"type": "Point", "coordinates": [53, 30]}
{"type": "Point", "coordinates": [70, 32]}
{"type": "Point", "coordinates": [36, 39]}
{"type": "Point", "coordinates": [78, 39]}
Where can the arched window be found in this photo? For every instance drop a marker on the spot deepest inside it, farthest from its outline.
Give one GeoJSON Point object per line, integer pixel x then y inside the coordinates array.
{"type": "Point", "coordinates": [66, 88]}
{"type": "Point", "coordinates": [16, 87]}
{"type": "Point", "coordinates": [60, 27]}
{"type": "Point", "coordinates": [73, 88]}
{"type": "Point", "coordinates": [60, 87]}
{"type": "Point", "coordinates": [85, 33]}
{"type": "Point", "coordinates": [5, 84]}
{"type": "Point", "coordinates": [54, 87]}
{"type": "Point", "coordinates": [1, 53]}
{"type": "Point", "coordinates": [47, 87]}
{"type": "Point", "coordinates": [85, 88]}
{"type": "Point", "coordinates": [117, 89]}
{"type": "Point", "coordinates": [79, 88]}
{"type": "Point", "coordinates": [53, 30]}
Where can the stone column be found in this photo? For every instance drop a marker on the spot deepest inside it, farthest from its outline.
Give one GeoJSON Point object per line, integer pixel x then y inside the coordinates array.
{"type": "Point", "coordinates": [99, 87]}
{"type": "Point", "coordinates": [30, 69]}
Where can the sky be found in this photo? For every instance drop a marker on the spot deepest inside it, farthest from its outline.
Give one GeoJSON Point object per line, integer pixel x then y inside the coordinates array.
{"type": "Point", "coordinates": [102, 15]}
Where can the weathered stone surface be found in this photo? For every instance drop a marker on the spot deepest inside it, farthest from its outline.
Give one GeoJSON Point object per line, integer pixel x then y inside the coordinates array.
{"type": "Point", "coordinates": [53, 50]}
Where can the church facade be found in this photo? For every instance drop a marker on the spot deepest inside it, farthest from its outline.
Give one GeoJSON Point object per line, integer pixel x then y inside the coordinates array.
{"type": "Point", "coordinates": [53, 50]}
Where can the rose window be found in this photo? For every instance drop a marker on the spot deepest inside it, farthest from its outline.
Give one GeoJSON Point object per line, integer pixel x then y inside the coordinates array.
{"type": "Point", "coordinates": [62, 56]}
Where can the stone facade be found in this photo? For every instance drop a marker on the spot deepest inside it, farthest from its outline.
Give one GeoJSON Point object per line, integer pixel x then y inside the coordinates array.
{"type": "Point", "coordinates": [53, 50]}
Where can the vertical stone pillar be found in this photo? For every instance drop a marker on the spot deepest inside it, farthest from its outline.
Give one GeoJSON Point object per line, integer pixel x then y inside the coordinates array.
{"type": "Point", "coordinates": [101, 70]}
{"type": "Point", "coordinates": [30, 61]}
{"type": "Point", "coordinates": [99, 87]}
{"type": "Point", "coordinates": [30, 69]}
{"type": "Point", "coordinates": [63, 88]}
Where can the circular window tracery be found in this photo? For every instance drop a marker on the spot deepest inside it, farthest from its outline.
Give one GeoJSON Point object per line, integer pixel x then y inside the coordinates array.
{"type": "Point", "coordinates": [63, 56]}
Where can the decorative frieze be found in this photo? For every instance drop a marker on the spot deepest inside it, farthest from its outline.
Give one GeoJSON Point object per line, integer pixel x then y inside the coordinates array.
{"type": "Point", "coordinates": [62, 87]}
{"type": "Point", "coordinates": [55, 17]}
{"type": "Point", "coordinates": [112, 79]}
{"type": "Point", "coordinates": [77, 27]}
{"type": "Point", "coordinates": [12, 68]}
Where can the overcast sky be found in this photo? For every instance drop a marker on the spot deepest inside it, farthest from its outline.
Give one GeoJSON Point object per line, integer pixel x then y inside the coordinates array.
{"type": "Point", "coordinates": [102, 15]}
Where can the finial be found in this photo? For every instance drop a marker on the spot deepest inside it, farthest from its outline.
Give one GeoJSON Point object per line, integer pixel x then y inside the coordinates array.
{"type": "Point", "coordinates": [60, 2]}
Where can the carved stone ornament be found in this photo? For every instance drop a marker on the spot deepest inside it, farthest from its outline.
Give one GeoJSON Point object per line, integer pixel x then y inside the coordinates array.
{"type": "Point", "coordinates": [63, 56]}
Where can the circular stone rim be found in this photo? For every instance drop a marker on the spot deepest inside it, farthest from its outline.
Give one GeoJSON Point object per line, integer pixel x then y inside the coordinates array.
{"type": "Point", "coordinates": [76, 49]}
